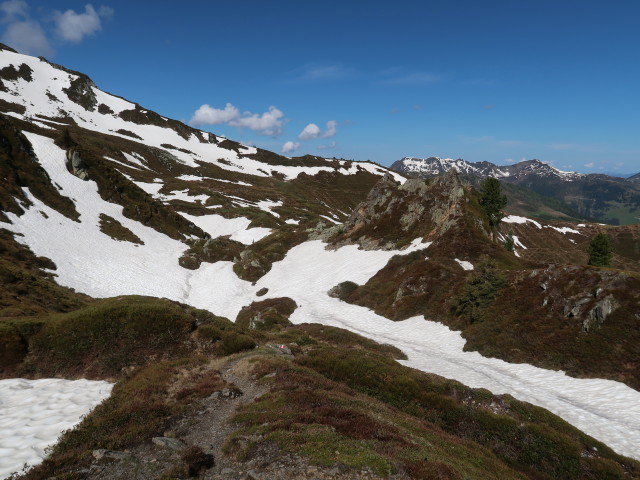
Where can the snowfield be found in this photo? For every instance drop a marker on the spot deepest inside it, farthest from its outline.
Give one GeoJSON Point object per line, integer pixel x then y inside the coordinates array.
{"type": "Point", "coordinates": [33, 414]}
{"type": "Point", "coordinates": [45, 95]}
{"type": "Point", "coordinates": [93, 263]}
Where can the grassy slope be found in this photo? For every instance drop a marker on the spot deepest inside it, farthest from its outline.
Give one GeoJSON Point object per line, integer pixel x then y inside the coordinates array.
{"type": "Point", "coordinates": [341, 400]}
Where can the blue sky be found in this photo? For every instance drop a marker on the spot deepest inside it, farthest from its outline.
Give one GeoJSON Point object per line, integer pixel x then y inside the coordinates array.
{"type": "Point", "coordinates": [495, 80]}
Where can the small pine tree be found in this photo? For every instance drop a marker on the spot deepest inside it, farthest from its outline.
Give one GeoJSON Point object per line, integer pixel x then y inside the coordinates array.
{"type": "Point", "coordinates": [479, 293]}
{"type": "Point", "coordinates": [600, 250]}
{"type": "Point", "coordinates": [492, 200]}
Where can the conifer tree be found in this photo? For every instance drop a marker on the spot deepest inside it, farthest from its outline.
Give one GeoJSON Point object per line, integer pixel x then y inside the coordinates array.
{"type": "Point", "coordinates": [600, 250]}
{"type": "Point", "coordinates": [492, 200]}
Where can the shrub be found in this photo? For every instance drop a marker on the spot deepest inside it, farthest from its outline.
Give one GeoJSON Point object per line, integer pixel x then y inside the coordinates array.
{"type": "Point", "coordinates": [509, 243]}
{"type": "Point", "coordinates": [196, 460]}
{"type": "Point", "coordinates": [479, 293]}
{"type": "Point", "coordinates": [109, 335]}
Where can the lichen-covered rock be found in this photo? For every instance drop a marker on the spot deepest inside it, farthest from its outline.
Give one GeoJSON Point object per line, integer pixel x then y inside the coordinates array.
{"type": "Point", "coordinates": [393, 215]}
{"type": "Point", "coordinates": [598, 314]}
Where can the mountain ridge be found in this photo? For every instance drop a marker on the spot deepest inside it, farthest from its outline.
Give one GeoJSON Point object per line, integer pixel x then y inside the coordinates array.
{"type": "Point", "coordinates": [596, 197]}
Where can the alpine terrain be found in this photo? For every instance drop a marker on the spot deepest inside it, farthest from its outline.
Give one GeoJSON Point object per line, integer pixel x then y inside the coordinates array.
{"type": "Point", "coordinates": [536, 188]}
{"type": "Point", "coordinates": [175, 304]}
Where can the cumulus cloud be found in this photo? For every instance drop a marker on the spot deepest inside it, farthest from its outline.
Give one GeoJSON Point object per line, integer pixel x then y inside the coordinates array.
{"type": "Point", "coordinates": [27, 37]}
{"type": "Point", "coordinates": [267, 123]}
{"type": "Point", "coordinates": [207, 115]}
{"type": "Point", "coordinates": [331, 129]}
{"type": "Point", "coordinates": [290, 146]}
{"type": "Point", "coordinates": [13, 10]}
{"type": "Point", "coordinates": [312, 131]}
{"type": "Point", "coordinates": [73, 27]}
{"type": "Point", "coordinates": [26, 34]}
{"type": "Point", "coordinates": [590, 164]}
{"type": "Point", "coordinates": [21, 32]}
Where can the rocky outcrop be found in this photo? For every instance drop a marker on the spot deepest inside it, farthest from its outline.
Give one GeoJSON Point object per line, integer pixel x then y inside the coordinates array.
{"type": "Point", "coordinates": [393, 215]}
{"type": "Point", "coordinates": [266, 314]}
{"type": "Point", "coordinates": [80, 91]}
{"type": "Point", "coordinates": [598, 314]}
{"type": "Point", "coordinates": [580, 293]}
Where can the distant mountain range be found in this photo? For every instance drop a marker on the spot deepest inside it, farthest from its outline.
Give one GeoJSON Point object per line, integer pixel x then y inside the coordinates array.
{"type": "Point", "coordinates": [557, 194]}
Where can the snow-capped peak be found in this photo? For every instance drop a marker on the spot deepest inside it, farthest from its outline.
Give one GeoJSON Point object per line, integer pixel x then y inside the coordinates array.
{"type": "Point", "coordinates": [435, 166]}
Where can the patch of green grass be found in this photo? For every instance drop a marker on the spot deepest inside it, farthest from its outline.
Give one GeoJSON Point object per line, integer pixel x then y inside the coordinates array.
{"type": "Point", "coordinates": [100, 339]}
{"type": "Point", "coordinates": [522, 437]}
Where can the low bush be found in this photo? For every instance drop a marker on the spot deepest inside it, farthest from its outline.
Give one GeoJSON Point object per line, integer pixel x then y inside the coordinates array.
{"type": "Point", "coordinates": [108, 335]}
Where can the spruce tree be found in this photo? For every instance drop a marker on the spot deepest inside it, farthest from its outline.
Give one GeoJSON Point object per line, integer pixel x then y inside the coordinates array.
{"type": "Point", "coordinates": [600, 250]}
{"type": "Point", "coordinates": [492, 200]}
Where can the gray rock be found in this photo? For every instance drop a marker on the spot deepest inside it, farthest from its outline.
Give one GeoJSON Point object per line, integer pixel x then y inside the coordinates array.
{"type": "Point", "coordinates": [233, 392]}
{"type": "Point", "coordinates": [170, 443]}
{"type": "Point", "coordinates": [574, 309]}
{"type": "Point", "coordinates": [282, 348]}
{"type": "Point", "coordinates": [598, 314]}
{"type": "Point", "coordinates": [103, 453]}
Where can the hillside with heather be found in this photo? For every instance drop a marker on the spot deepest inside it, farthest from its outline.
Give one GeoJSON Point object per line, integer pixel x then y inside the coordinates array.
{"type": "Point", "coordinates": [251, 315]}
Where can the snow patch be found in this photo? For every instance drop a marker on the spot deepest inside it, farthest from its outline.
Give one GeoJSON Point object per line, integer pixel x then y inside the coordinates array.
{"type": "Point", "coordinates": [517, 219]}
{"type": "Point", "coordinates": [564, 230]}
{"type": "Point", "coordinates": [35, 412]}
{"type": "Point", "coordinates": [237, 228]}
{"type": "Point", "coordinates": [464, 264]}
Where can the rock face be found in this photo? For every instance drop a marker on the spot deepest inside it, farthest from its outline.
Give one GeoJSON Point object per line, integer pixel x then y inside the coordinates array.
{"type": "Point", "coordinates": [581, 293]}
{"type": "Point", "coordinates": [597, 315]}
{"type": "Point", "coordinates": [81, 92]}
{"type": "Point", "coordinates": [393, 215]}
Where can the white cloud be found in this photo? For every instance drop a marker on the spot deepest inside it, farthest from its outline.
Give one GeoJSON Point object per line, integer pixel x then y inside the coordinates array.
{"type": "Point", "coordinates": [13, 9]}
{"type": "Point", "coordinates": [207, 115]}
{"type": "Point", "coordinates": [312, 131]}
{"type": "Point", "coordinates": [26, 34]}
{"type": "Point", "coordinates": [73, 27]}
{"type": "Point", "coordinates": [267, 123]}
{"type": "Point", "coordinates": [331, 129]}
{"type": "Point", "coordinates": [290, 146]}
{"type": "Point", "coordinates": [27, 37]}
{"type": "Point", "coordinates": [590, 164]}
{"type": "Point", "coordinates": [21, 32]}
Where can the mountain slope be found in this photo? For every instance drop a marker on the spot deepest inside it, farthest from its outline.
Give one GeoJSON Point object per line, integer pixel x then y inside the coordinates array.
{"type": "Point", "coordinates": [602, 198]}
{"type": "Point", "coordinates": [207, 223]}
